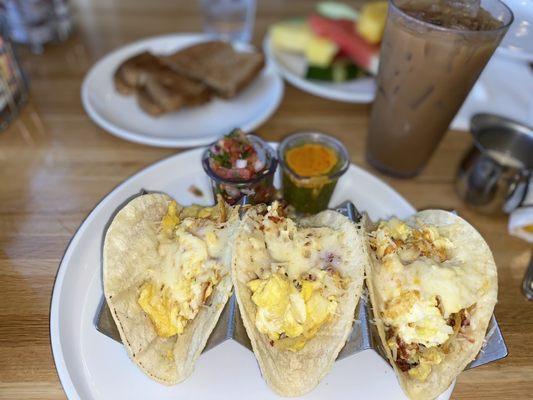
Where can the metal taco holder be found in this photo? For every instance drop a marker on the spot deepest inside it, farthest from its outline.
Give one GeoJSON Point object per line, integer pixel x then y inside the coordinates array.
{"type": "Point", "coordinates": [364, 335]}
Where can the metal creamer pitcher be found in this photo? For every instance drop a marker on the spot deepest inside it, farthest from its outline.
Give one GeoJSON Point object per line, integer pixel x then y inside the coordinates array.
{"type": "Point", "coordinates": [495, 174]}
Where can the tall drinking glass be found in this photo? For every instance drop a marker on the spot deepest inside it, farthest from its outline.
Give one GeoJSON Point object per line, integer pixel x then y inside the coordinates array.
{"type": "Point", "coordinates": [229, 19]}
{"type": "Point", "coordinates": [431, 55]}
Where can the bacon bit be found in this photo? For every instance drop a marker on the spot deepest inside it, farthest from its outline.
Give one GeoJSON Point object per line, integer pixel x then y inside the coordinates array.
{"type": "Point", "coordinates": [311, 277]}
{"type": "Point", "coordinates": [194, 190]}
{"type": "Point", "coordinates": [404, 350]}
{"type": "Point", "coordinates": [274, 219]}
{"type": "Point", "coordinates": [403, 365]}
{"type": "Point", "coordinates": [271, 343]}
{"type": "Point", "coordinates": [390, 249]}
{"type": "Point", "coordinates": [459, 321]}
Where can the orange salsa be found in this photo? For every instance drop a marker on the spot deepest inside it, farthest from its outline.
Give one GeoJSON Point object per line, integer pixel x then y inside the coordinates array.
{"type": "Point", "coordinates": [311, 159]}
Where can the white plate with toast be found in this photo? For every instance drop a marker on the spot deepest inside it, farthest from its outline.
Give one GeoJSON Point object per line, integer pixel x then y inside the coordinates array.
{"type": "Point", "coordinates": [190, 126]}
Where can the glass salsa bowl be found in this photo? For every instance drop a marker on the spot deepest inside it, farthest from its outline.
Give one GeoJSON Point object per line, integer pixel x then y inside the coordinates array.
{"type": "Point", "coordinates": [259, 188]}
{"type": "Point", "coordinates": [310, 194]}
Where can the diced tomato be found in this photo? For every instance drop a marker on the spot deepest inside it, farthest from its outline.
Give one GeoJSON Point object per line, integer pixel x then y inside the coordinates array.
{"type": "Point", "coordinates": [225, 156]}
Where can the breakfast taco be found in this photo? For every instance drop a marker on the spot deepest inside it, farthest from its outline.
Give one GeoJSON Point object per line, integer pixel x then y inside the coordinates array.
{"type": "Point", "coordinates": [166, 273]}
{"type": "Point", "coordinates": [433, 286]}
{"type": "Point", "coordinates": [297, 285]}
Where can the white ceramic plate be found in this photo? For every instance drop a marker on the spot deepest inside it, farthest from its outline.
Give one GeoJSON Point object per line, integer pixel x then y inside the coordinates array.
{"type": "Point", "coordinates": [518, 42]}
{"type": "Point", "coordinates": [292, 68]}
{"type": "Point", "coordinates": [91, 366]}
{"type": "Point", "coordinates": [122, 116]}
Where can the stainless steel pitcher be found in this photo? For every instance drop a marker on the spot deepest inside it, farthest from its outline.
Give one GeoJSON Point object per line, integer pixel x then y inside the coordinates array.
{"type": "Point", "coordinates": [495, 174]}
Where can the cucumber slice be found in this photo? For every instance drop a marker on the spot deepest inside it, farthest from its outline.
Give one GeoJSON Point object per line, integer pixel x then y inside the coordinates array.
{"type": "Point", "coordinates": [339, 71]}
{"type": "Point", "coordinates": [319, 73]}
{"type": "Point", "coordinates": [335, 10]}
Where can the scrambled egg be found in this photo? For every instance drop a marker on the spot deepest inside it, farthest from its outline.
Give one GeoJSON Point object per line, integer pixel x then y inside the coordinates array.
{"type": "Point", "coordinates": [421, 286]}
{"type": "Point", "coordinates": [298, 286]}
{"type": "Point", "coordinates": [188, 273]}
{"type": "Point", "coordinates": [171, 218]}
{"type": "Point", "coordinates": [431, 356]}
{"type": "Point", "coordinates": [294, 309]}
{"type": "Point", "coordinates": [417, 320]}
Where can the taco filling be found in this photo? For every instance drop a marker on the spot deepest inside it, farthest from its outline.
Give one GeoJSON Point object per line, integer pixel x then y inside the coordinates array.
{"type": "Point", "coordinates": [299, 290]}
{"type": "Point", "coordinates": [297, 283]}
{"type": "Point", "coordinates": [191, 266]}
{"type": "Point", "coordinates": [426, 293]}
{"type": "Point", "coordinates": [292, 312]}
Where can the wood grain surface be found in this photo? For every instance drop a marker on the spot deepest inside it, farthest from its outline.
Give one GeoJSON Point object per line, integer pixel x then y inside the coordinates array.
{"type": "Point", "coordinates": [55, 165]}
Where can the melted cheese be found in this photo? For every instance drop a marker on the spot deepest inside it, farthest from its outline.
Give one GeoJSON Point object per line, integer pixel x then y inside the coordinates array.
{"type": "Point", "coordinates": [294, 293]}
{"type": "Point", "coordinates": [418, 291]}
{"type": "Point", "coordinates": [189, 270]}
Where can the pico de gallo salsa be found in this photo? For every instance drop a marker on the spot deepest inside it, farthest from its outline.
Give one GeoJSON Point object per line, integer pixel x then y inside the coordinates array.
{"type": "Point", "coordinates": [240, 164]}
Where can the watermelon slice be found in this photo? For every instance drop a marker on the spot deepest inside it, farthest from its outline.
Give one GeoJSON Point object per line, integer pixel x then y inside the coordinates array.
{"type": "Point", "coordinates": [343, 32]}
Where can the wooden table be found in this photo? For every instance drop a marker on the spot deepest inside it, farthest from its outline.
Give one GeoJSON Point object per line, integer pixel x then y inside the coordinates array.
{"type": "Point", "coordinates": [55, 165]}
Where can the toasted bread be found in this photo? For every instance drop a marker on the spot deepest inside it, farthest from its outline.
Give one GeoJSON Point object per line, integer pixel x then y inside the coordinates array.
{"type": "Point", "coordinates": [134, 71]}
{"type": "Point", "coordinates": [147, 103]}
{"type": "Point", "coordinates": [158, 88]}
{"type": "Point", "coordinates": [218, 65]}
{"type": "Point", "coordinates": [122, 86]}
{"type": "Point", "coordinates": [173, 91]}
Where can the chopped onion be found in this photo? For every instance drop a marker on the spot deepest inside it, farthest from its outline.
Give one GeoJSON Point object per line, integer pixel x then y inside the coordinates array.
{"type": "Point", "coordinates": [258, 165]}
{"type": "Point", "coordinates": [241, 163]}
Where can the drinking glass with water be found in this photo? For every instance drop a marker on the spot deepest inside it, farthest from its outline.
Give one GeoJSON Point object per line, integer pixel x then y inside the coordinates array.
{"type": "Point", "coordinates": [229, 19]}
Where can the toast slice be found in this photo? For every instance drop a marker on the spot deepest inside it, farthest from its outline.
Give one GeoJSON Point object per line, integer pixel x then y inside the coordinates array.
{"type": "Point", "coordinates": [158, 88]}
{"type": "Point", "coordinates": [134, 71]}
{"type": "Point", "coordinates": [147, 103]}
{"type": "Point", "coordinates": [173, 91]}
{"type": "Point", "coordinates": [217, 65]}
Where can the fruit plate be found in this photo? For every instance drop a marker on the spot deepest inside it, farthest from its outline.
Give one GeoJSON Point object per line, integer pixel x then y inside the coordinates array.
{"type": "Point", "coordinates": [93, 366]}
{"type": "Point", "coordinates": [121, 115]}
{"type": "Point", "coordinates": [292, 68]}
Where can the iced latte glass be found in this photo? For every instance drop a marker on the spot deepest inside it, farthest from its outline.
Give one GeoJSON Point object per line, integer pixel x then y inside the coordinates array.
{"type": "Point", "coordinates": [431, 55]}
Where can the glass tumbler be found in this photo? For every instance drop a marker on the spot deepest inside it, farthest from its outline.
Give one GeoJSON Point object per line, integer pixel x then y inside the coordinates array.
{"type": "Point", "coordinates": [229, 19]}
{"type": "Point", "coordinates": [426, 71]}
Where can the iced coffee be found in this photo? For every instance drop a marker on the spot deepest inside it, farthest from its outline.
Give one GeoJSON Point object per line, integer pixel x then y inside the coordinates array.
{"type": "Point", "coordinates": [432, 54]}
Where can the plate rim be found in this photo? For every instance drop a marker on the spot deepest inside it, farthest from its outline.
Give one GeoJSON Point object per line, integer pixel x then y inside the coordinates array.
{"type": "Point", "coordinates": [505, 48]}
{"type": "Point", "coordinates": [308, 86]}
{"type": "Point", "coordinates": [53, 316]}
{"type": "Point", "coordinates": [139, 138]}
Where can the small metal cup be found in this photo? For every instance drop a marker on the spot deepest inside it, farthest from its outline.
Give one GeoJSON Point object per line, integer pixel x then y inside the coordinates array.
{"type": "Point", "coordinates": [494, 175]}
